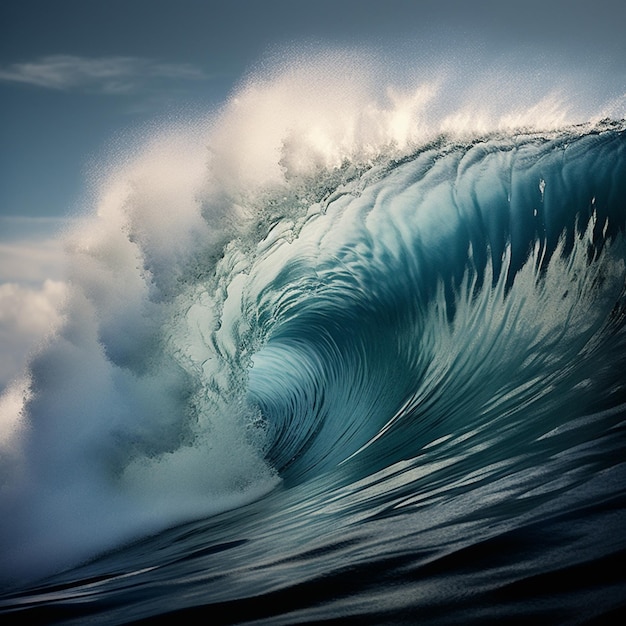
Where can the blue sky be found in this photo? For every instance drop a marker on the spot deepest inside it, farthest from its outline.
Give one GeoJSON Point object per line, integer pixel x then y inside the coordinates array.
{"type": "Point", "coordinates": [76, 73]}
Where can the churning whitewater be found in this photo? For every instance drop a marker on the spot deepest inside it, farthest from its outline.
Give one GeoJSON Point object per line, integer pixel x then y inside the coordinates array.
{"type": "Point", "coordinates": [330, 355]}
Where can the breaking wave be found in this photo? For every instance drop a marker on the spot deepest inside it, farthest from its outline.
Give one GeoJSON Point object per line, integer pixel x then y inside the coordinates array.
{"type": "Point", "coordinates": [326, 295]}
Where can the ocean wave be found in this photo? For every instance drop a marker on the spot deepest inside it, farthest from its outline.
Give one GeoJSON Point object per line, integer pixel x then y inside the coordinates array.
{"type": "Point", "coordinates": [396, 318]}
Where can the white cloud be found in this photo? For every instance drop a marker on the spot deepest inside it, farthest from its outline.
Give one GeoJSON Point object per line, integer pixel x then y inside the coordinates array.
{"type": "Point", "coordinates": [111, 75]}
{"type": "Point", "coordinates": [32, 249]}
{"type": "Point", "coordinates": [27, 316]}
{"type": "Point", "coordinates": [31, 261]}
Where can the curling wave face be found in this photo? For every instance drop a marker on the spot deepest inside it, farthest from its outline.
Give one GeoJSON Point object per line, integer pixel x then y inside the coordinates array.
{"type": "Point", "coordinates": [450, 294]}
{"type": "Point", "coordinates": [341, 296]}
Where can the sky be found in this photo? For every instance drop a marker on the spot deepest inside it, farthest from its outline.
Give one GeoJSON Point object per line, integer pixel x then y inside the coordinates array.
{"type": "Point", "coordinates": [78, 75]}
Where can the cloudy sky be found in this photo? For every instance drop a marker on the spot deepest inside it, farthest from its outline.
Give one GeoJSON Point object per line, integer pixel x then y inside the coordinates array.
{"type": "Point", "coordinates": [75, 75]}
